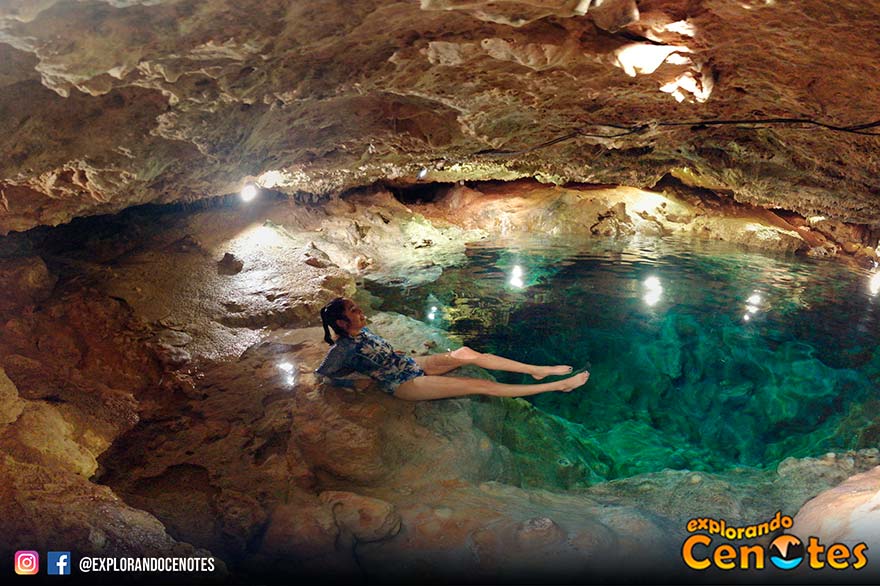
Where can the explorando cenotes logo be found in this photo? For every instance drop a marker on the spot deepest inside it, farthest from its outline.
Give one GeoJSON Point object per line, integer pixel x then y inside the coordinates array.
{"type": "Point", "coordinates": [709, 547]}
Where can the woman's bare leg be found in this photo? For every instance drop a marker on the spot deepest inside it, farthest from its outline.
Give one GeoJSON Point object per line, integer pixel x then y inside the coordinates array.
{"type": "Point", "coordinates": [436, 364]}
{"type": "Point", "coordinates": [426, 388]}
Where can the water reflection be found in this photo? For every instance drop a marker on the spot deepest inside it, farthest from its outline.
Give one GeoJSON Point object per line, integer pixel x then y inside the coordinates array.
{"type": "Point", "coordinates": [714, 379]}
{"type": "Point", "coordinates": [516, 277]}
{"type": "Point", "coordinates": [289, 371]}
{"type": "Point", "coordinates": [654, 291]}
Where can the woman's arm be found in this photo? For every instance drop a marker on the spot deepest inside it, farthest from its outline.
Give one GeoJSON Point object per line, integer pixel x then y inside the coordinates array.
{"type": "Point", "coordinates": [336, 364]}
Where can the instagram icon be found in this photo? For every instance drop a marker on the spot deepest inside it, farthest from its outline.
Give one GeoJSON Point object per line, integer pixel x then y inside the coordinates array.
{"type": "Point", "coordinates": [27, 563]}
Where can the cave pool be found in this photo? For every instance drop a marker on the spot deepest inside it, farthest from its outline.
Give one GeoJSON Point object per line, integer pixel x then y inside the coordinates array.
{"type": "Point", "coordinates": [703, 355]}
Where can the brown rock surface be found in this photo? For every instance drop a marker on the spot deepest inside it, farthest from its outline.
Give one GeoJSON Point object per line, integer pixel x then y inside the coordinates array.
{"type": "Point", "coordinates": [78, 370]}
{"type": "Point", "coordinates": [848, 513]}
{"type": "Point", "coordinates": [525, 207]}
{"type": "Point", "coordinates": [112, 104]}
{"type": "Point", "coordinates": [76, 375]}
{"type": "Point", "coordinates": [365, 519]}
{"type": "Point", "coordinates": [44, 507]}
{"type": "Point", "coordinates": [26, 282]}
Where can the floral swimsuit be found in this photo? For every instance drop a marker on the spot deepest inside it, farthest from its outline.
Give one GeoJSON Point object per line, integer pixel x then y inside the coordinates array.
{"type": "Point", "coordinates": [368, 354]}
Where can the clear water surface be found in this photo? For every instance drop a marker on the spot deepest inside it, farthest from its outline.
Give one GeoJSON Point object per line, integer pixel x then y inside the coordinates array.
{"type": "Point", "coordinates": [703, 355]}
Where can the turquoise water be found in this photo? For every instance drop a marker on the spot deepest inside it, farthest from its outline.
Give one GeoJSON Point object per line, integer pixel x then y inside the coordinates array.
{"type": "Point", "coordinates": [703, 356]}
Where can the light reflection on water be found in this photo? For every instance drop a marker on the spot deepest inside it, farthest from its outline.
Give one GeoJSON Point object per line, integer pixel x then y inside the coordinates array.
{"type": "Point", "coordinates": [703, 355]}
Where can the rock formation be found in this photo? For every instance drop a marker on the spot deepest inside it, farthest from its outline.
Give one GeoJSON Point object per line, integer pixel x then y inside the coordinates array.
{"type": "Point", "coordinates": [108, 104]}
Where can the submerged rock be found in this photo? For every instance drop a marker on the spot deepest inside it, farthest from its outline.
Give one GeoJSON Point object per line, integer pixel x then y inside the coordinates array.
{"type": "Point", "coordinates": [539, 532]}
{"type": "Point", "coordinates": [364, 518]}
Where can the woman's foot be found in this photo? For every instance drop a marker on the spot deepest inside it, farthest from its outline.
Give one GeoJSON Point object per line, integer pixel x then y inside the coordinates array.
{"type": "Point", "coordinates": [542, 371]}
{"type": "Point", "coordinates": [573, 382]}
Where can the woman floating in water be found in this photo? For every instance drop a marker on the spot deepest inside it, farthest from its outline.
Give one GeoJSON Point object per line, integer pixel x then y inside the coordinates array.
{"type": "Point", "coordinates": [357, 349]}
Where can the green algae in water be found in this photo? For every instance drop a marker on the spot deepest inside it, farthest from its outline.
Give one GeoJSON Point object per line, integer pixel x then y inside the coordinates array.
{"type": "Point", "coordinates": [703, 356]}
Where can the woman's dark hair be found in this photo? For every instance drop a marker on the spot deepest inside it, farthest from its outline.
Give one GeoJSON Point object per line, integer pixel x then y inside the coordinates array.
{"type": "Point", "coordinates": [329, 314]}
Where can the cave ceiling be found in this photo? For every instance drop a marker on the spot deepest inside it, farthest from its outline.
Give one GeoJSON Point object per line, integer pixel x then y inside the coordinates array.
{"type": "Point", "coordinates": [110, 104]}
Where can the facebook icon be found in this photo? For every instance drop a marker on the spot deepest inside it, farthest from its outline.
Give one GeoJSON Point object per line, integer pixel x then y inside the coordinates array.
{"type": "Point", "coordinates": [58, 563]}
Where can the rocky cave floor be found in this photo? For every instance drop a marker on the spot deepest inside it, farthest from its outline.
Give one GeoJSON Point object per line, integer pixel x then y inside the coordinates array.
{"type": "Point", "coordinates": [156, 398]}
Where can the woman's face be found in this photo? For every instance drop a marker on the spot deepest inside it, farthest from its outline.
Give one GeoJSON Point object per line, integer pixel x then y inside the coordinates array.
{"type": "Point", "coordinates": [355, 317]}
